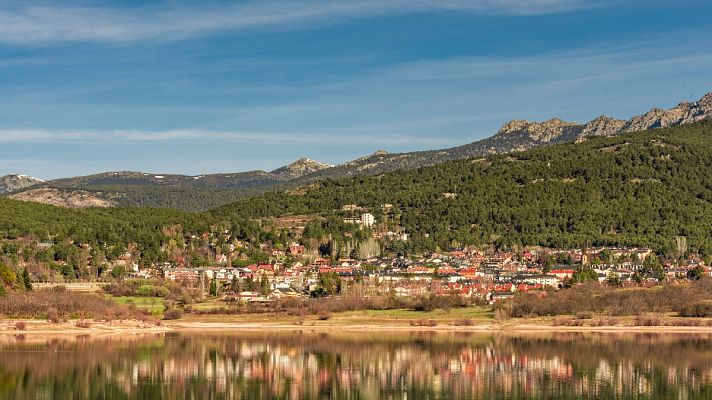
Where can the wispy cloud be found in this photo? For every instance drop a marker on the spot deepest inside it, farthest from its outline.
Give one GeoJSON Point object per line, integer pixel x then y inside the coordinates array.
{"type": "Point", "coordinates": [51, 23]}
{"type": "Point", "coordinates": [141, 136]}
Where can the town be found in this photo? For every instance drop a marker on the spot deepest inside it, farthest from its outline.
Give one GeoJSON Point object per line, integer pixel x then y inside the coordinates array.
{"type": "Point", "coordinates": [216, 264]}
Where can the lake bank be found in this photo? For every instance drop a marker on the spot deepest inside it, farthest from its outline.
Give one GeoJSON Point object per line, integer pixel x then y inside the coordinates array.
{"type": "Point", "coordinates": [339, 322]}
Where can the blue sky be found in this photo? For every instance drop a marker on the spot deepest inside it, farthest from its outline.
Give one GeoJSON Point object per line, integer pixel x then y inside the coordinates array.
{"type": "Point", "coordinates": [215, 86]}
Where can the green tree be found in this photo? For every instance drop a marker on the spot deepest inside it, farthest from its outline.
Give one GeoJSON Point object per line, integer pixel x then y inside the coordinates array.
{"type": "Point", "coordinates": [235, 284]}
{"type": "Point", "coordinates": [696, 273]}
{"type": "Point", "coordinates": [27, 284]}
{"type": "Point", "coordinates": [213, 287]}
{"type": "Point", "coordinates": [329, 284]}
{"type": "Point", "coordinates": [7, 275]}
{"type": "Point", "coordinates": [265, 286]}
{"type": "Point", "coordinates": [583, 274]}
{"type": "Point", "coordinates": [613, 280]}
{"type": "Point", "coordinates": [119, 272]}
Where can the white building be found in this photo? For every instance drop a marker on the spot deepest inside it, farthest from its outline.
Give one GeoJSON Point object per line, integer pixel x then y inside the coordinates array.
{"type": "Point", "coordinates": [367, 219]}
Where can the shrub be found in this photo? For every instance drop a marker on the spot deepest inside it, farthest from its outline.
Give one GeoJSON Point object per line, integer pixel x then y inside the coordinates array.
{"type": "Point", "coordinates": [642, 320]}
{"type": "Point", "coordinates": [567, 322]}
{"type": "Point", "coordinates": [38, 303]}
{"type": "Point", "coordinates": [463, 322]}
{"type": "Point", "coordinates": [691, 299]}
{"type": "Point", "coordinates": [700, 309]}
{"type": "Point", "coordinates": [584, 315]}
{"type": "Point", "coordinates": [686, 322]}
{"type": "Point", "coordinates": [145, 290]}
{"type": "Point", "coordinates": [83, 324]}
{"type": "Point", "coordinates": [424, 322]}
{"type": "Point", "coordinates": [172, 314]}
{"type": "Point", "coordinates": [605, 322]}
{"type": "Point", "coordinates": [53, 315]}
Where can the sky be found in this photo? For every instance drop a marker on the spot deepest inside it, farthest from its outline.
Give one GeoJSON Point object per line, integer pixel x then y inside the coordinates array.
{"type": "Point", "coordinates": [225, 86]}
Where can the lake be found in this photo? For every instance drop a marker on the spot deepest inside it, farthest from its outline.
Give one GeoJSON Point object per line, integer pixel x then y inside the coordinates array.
{"type": "Point", "coordinates": [390, 365]}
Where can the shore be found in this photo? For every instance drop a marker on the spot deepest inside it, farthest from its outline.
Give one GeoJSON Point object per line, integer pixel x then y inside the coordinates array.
{"type": "Point", "coordinates": [491, 328]}
{"type": "Point", "coordinates": [77, 327]}
{"type": "Point", "coordinates": [348, 322]}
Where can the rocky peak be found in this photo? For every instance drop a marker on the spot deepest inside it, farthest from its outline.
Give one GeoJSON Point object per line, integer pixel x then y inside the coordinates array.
{"type": "Point", "coordinates": [683, 113]}
{"type": "Point", "coordinates": [541, 132]}
{"type": "Point", "coordinates": [10, 183]}
{"type": "Point", "coordinates": [512, 126]}
{"type": "Point", "coordinates": [602, 126]}
{"type": "Point", "coordinates": [299, 168]}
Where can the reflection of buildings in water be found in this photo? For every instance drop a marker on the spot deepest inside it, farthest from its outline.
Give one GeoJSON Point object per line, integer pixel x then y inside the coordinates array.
{"type": "Point", "coordinates": [296, 370]}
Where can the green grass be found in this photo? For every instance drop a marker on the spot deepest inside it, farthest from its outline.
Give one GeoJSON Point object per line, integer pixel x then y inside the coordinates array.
{"type": "Point", "coordinates": [154, 305]}
{"type": "Point", "coordinates": [209, 305]}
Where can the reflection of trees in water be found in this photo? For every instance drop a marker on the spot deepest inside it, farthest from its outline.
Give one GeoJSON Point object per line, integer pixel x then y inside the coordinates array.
{"type": "Point", "coordinates": [296, 365]}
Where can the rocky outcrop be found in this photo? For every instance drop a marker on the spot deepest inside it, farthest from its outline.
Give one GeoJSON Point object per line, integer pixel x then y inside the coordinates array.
{"type": "Point", "coordinates": [299, 168]}
{"type": "Point", "coordinates": [683, 113]}
{"type": "Point", "coordinates": [539, 132]}
{"type": "Point", "coordinates": [64, 198]}
{"type": "Point", "coordinates": [10, 183]}
{"type": "Point", "coordinates": [601, 126]}
{"type": "Point", "coordinates": [520, 135]}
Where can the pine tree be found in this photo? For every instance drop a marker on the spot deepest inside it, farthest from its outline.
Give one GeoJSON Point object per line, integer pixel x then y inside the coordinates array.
{"type": "Point", "coordinates": [265, 285]}
{"type": "Point", "coordinates": [213, 287]}
{"type": "Point", "coordinates": [26, 280]}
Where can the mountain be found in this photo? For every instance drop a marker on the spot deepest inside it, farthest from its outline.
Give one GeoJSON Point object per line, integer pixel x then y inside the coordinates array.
{"type": "Point", "coordinates": [299, 168]}
{"type": "Point", "coordinates": [197, 193]}
{"type": "Point", "coordinates": [10, 183]}
{"type": "Point", "coordinates": [632, 189]}
{"type": "Point", "coordinates": [130, 188]}
{"type": "Point", "coordinates": [519, 135]}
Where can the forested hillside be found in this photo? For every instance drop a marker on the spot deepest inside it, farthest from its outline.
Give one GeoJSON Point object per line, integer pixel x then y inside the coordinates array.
{"type": "Point", "coordinates": [109, 231]}
{"type": "Point", "coordinates": [643, 188]}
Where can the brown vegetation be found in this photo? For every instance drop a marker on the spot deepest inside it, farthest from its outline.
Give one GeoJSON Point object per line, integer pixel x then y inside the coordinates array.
{"type": "Point", "coordinates": [424, 322]}
{"type": "Point", "coordinates": [54, 304]}
{"type": "Point", "coordinates": [172, 314]}
{"type": "Point", "coordinates": [83, 324]}
{"type": "Point", "coordinates": [690, 299]}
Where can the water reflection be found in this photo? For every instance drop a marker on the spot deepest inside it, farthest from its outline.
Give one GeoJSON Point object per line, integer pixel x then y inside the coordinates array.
{"type": "Point", "coordinates": [294, 365]}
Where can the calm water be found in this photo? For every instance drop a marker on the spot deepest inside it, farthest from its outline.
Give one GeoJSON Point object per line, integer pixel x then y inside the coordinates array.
{"type": "Point", "coordinates": [358, 366]}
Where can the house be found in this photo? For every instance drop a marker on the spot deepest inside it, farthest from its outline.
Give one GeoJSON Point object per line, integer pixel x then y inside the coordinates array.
{"type": "Point", "coordinates": [189, 275]}
{"type": "Point", "coordinates": [296, 249]}
{"type": "Point", "coordinates": [285, 292]}
{"type": "Point", "coordinates": [562, 273]}
{"type": "Point", "coordinates": [367, 220]}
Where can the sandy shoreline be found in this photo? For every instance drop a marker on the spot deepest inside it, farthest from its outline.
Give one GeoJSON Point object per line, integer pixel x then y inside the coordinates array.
{"type": "Point", "coordinates": [128, 328]}
{"type": "Point", "coordinates": [489, 328]}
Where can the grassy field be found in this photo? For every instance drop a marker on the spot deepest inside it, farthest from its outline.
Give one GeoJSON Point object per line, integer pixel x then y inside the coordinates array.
{"type": "Point", "coordinates": [154, 305]}
{"type": "Point", "coordinates": [475, 315]}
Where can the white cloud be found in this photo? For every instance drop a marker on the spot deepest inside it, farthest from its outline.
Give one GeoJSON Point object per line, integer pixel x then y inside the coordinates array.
{"type": "Point", "coordinates": [51, 23]}
{"type": "Point", "coordinates": [134, 136]}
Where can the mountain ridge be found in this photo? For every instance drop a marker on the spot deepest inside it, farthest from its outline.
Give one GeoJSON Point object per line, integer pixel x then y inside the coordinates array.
{"type": "Point", "coordinates": [515, 135]}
